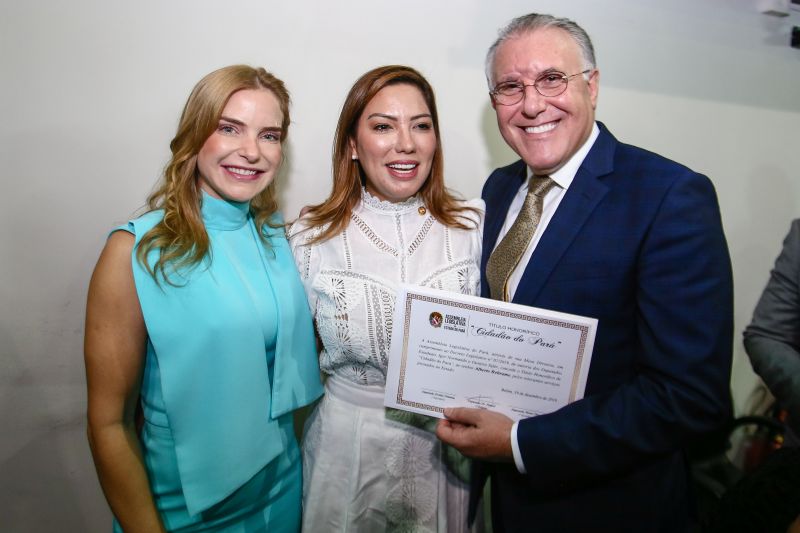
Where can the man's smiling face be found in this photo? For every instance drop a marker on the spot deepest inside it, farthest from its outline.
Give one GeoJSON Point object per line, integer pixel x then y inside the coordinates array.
{"type": "Point", "coordinates": [545, 131]}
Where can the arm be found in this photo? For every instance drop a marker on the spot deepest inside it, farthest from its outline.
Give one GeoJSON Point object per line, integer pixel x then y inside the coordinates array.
{"type": "Point", "coordinates": [114, 350]}
{"type": "Point", "coordinates": [306, 260]}
{"type": "Point", "coordinates": [778, 364]}
{"type": "Point", "coordinates": [297, 236]}
{"type": "Point", "coordinates": [772, 339]}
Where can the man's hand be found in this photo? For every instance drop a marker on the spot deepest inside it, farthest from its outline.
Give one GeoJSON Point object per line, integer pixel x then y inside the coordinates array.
{"type": "Point", "coordinates": [477, 433]}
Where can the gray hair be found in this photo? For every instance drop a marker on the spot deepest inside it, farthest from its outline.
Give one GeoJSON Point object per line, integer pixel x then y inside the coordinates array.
{"type": "Point", "coordinates": [535, 21]}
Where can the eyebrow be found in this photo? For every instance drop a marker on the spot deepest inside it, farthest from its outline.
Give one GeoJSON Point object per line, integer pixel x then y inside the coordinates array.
{"type": "Point", "coordinates": [545, 72]}
{"type": "Point", "coordinates": [391, 117]}
{"type": "Point", "coordinates": [232, 121]}
{"type": "Point", "coordinates": [550, 70]}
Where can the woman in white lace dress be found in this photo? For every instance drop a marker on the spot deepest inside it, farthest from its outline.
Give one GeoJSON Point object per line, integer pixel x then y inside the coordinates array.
{"type": "Point", "coordinates": [388, 220]}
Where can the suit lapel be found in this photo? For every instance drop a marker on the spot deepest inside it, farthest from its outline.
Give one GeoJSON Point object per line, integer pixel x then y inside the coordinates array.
{"type": "Point", "coordinates": [580, 200]}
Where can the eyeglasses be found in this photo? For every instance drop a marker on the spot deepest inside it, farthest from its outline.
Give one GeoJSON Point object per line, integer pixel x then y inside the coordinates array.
{"type": "Point", "coordinates": [549, 84]}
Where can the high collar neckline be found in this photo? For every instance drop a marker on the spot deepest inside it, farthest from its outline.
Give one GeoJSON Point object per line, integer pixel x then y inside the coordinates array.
{"type": "Point", "coordinates": [223, 214]}
{"type": "Point", "coordinates": [374, 203]}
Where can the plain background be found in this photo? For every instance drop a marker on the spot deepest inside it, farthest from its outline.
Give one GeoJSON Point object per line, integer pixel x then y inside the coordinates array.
{"type": "Point", "coordinates": [91, 91]}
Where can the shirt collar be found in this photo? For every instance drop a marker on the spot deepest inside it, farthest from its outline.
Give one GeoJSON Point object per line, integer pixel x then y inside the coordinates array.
{"type": "Point", "coordinates": [564, 175]}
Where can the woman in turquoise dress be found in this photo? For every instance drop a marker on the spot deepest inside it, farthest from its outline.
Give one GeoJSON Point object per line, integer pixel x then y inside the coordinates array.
{"type": "Point", "coordinates": [199, 342]}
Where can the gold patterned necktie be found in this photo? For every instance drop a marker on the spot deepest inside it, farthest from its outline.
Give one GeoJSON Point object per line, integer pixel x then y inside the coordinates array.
{"type": "Point", "coordinates": [505, 257]}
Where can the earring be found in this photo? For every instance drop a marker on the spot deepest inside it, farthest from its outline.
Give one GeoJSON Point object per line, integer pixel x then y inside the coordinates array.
{"type": "Point", "coordinates": [354, 157]}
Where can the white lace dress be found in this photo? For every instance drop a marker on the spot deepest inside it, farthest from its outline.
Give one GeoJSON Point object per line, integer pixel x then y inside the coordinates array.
{"type": "Point", "coordinates": [364, 472]}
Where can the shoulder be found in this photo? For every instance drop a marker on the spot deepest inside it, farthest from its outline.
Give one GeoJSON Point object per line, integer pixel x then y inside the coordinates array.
{"type": "Point", "coordinates": [142, 224]}
{"type": "Point", "coordinates": [794, 230]}
{"type": "Point", "coordinates": [114, 264]}
{"type": "Point", "coordinates": [475, 203]}
{"type": "Point", "coordinates": [634, 164]}
{"type": "Point", "coordinates": [274, 229]}
{"type": "Point", "coordinates": [646, 176]}
{"type": "Point", "coordinates": [628, 155]}
{"type": "Point", "coordinates": [296, 228]}
{"type": "Point", "coordinates": [124, 237]}
{"type": "Point", "coordinates": [791, 248]}
{"type": "Point", "coordinates": [502, 178]}
{"type": "Point", "coordinates": [472, 210]}
{"type": "Point", "coordinates": [119, 244]}
{"type": "Point", "coordinates": [622, 159]}
{"type": "Point", "coordinates": [300, 232]}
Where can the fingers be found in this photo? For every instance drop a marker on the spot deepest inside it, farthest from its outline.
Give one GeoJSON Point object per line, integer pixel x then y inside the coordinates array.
{"type": "Point", "coordinates": [477, 433]}
{"type": "Point", "coordinates": [444, 431]}
{"type": "Point", "coordinates": [449, 427]}
{"type": "Point", "coordinates": [463, 415]}
{"type": "Point", "coordinates": [453, 433]}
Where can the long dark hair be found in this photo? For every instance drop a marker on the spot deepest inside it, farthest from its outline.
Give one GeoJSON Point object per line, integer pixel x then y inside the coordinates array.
{"type": "Point", "coordinates": [347, 179]}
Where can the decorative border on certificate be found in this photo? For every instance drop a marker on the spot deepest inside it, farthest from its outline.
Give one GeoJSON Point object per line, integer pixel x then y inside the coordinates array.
{"type": "Point", "coordinates": [584, 331]}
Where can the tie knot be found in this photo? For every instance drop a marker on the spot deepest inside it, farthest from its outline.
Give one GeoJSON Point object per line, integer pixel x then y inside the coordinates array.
{"type": "Point", "coordinates": [539, 185]}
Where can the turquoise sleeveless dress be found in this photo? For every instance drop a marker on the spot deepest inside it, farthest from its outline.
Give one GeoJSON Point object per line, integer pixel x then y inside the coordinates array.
{"type": "Point", "coordinates": [230, 354]}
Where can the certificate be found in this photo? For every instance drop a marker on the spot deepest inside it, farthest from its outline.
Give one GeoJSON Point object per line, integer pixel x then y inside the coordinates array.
{"type": "Point", "coordinates": [453, 350]}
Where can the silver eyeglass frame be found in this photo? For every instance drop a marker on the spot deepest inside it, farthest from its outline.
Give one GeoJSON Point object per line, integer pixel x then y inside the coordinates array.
{"type": "Point", "coordinates": [564, 82]}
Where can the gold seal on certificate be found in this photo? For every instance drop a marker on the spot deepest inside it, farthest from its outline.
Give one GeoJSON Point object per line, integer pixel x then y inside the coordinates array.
{"type": "Point", "coordinates": [453, 350]}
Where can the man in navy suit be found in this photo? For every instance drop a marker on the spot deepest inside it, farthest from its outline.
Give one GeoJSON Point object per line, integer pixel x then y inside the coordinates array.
{"type": "Point", "coordinates": [627, 237]}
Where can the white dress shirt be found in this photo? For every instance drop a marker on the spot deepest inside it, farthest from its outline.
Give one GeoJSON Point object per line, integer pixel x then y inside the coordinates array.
{"type": "Point", "coordinates": [563, 178]}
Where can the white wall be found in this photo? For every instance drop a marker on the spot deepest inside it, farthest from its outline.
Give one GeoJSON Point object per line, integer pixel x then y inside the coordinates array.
{"type": "Point", "coordinates": [90, 96]}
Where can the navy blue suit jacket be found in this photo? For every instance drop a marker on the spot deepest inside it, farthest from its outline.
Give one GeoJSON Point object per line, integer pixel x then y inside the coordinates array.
{"type": "Point", "coordinates": [637, 243]}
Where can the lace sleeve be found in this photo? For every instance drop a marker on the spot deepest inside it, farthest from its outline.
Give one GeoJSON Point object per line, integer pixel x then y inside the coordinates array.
{"type": "Point", "coordinates": [480, 206]}
{"type": "Point", "coordinates": [306, 260]}
{"type": "Point", "coordinates": [476, 239]}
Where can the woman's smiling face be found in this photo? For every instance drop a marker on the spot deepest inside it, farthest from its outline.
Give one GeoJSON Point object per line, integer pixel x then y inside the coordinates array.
{"type": "Point", "coordinates": [242, 156]}
{"type": "Point", "coordinates": [395, 142]}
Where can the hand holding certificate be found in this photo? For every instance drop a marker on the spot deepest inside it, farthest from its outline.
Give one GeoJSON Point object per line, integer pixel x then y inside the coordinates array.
{"type": "Point", "coordinates": [453, 350]}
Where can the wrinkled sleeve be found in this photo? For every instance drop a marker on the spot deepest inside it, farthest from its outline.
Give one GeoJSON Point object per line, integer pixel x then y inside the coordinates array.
{"type": "Point", "coordinates": [772, 340]}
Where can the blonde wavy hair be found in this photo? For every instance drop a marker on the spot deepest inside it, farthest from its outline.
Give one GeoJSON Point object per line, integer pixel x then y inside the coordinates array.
{"type": "Point", "coordinates": [181, 237]}
{"type": "Point", "coordinates": [348, 176]}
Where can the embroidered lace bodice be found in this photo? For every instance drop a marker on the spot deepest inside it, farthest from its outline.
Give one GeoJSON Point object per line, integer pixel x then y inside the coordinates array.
{"type": "Point", "coordinates": [352, 278]}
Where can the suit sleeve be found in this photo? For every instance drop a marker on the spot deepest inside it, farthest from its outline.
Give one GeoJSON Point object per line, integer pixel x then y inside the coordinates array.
{"type": "Point", "coordinates": [772, 339]}
{"type": "Point", "coordinates": [683, 331]}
